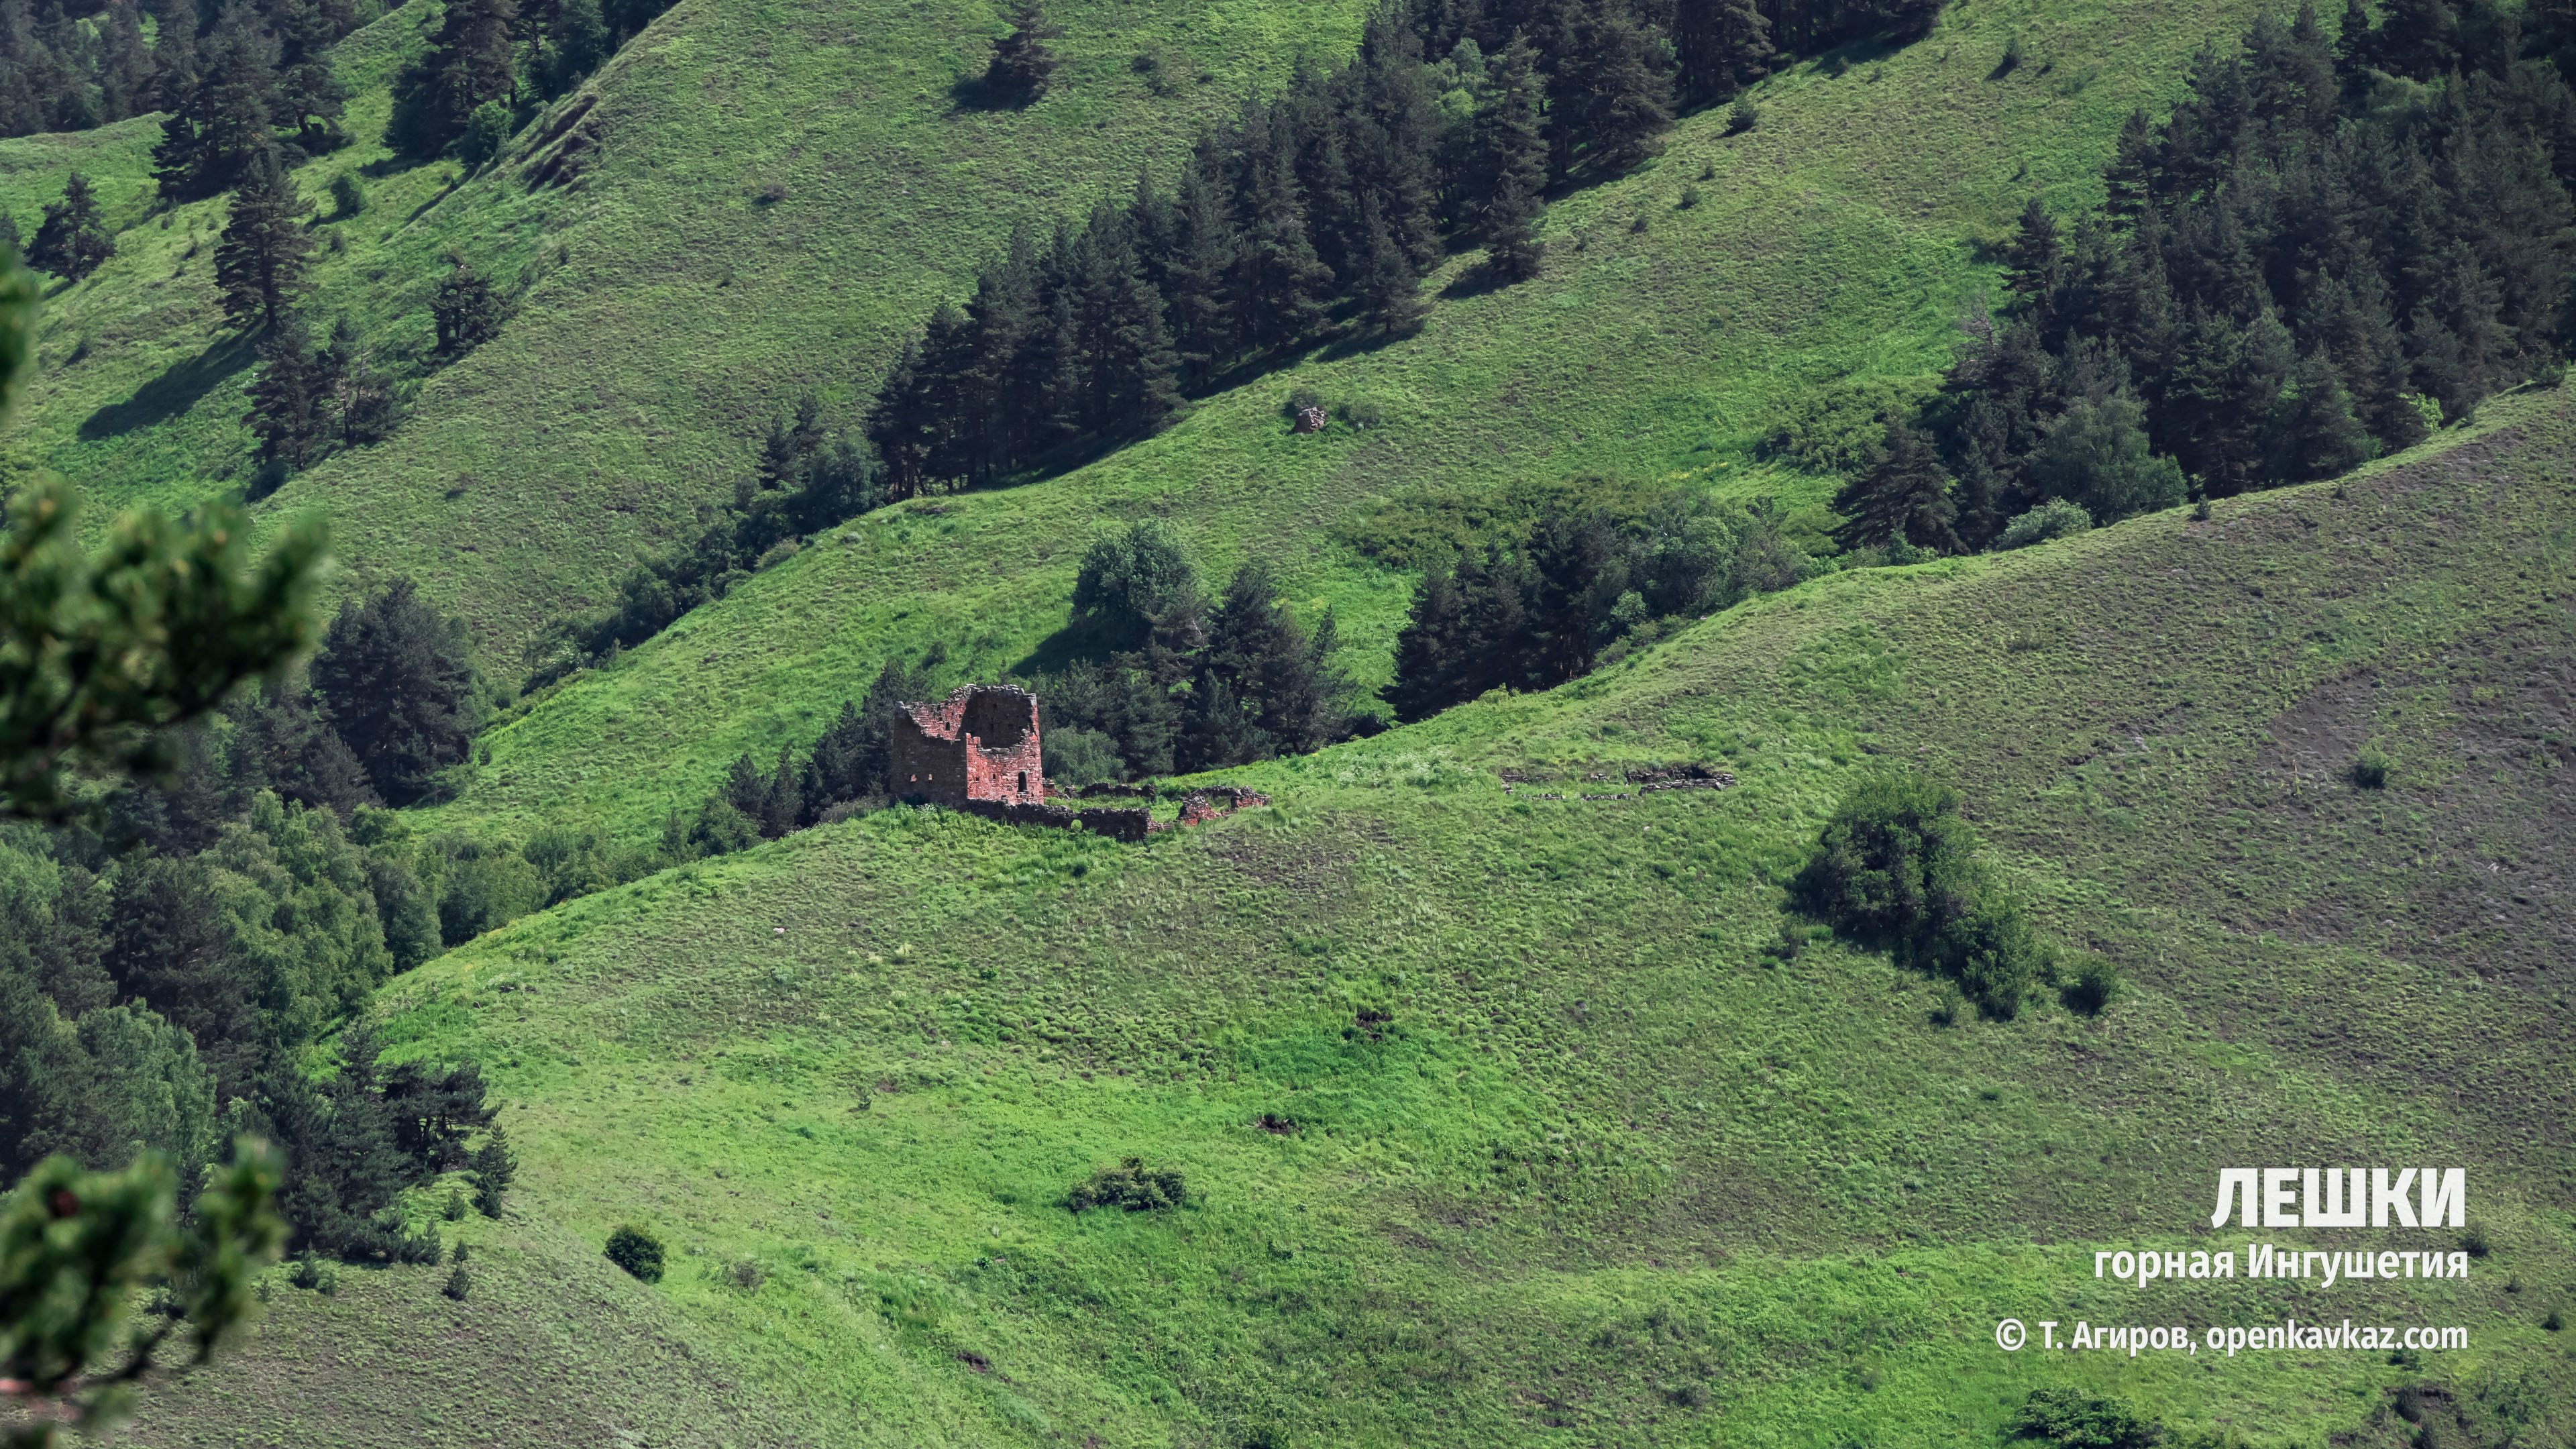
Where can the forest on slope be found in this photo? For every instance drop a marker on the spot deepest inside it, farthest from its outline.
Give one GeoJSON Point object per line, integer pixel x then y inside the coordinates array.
{"type": "Point", "coordinates": [1812, 400]}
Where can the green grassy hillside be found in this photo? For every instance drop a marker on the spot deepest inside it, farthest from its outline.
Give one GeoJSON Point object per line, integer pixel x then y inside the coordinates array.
{"type": "Point", "coordinates": [769, 200]}
{"type": "Point", "coordinates": [1836, 240]}
{"type": "Point", "coordinates": [1499, 1125]}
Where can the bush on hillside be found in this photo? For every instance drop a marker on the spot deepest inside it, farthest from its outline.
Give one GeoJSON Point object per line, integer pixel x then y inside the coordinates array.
{"type": "Point", "coordinates": [2057, 518]}
{"type": "Point", "coordinates": [2370, 771]}
{"type": "Point", "coordinates": [1131, 1186]}
{"type": "Point", "coordinates": [348, 194]}
{"type": "Point", "coordinates": [1896, 868]}
{"type": "Point", "coordinates": [2079, 1421]}
{"type": "Point", "coordinates": [636, 1251]}
{"type": "Point", "coordinates": [2092, 987]}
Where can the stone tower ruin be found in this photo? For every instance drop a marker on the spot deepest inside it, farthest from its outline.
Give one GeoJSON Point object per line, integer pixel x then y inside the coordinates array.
{"type": "Point", "coordinates": [978, 744]}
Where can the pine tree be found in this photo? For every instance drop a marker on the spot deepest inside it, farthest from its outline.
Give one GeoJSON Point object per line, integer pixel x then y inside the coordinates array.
{"type": "Point", "coordinates": [261, 261]}
{"type": "Point", "coordinates": [2031, 261]}
{"type": "Point", "coordinates": [289, 401]}
{"type": "Point", "coordinates": [1390, 293]}
{"type": "Point", "coordinates": [1511, 153]}
{"type": "Point", "coordinates": [73, 240]}
{"type": "Point", "coordinates": [361, 400]}
{"type": "Point", "coordinates": [782, 803]}
{"type": "Point", "coordinates": [1196, 282]}
{"type": "Point", "coordinates": [1905, 498]}
{"type": "Point", "coordinates": [472, 59]}
{"type": "Point", "coordinates": [576, 42]}
{"type": "Point", "coordinates": [1721, 46]}
{"type": "Point", "coordinates": [466, 311]}
{"type": "Point", "coordinates": [221, 128]}
{"type": "Point", "coordinates": [493, 1167]}
{"type": "Point", "coordinates": [1611, 94]}
{"type": "Point", "coordinates": [396, 681]}
{"type": "Point", "coordinates": [1427, 649]}
{"type": "Point", "coordinates": [2312, 432]}
{"type": "Point", "coordinates": [2130, 181]}
{"type": "Point", "coordinates": [1284, 289]}
{"type": "Point", "coordinates": [1022, 65]}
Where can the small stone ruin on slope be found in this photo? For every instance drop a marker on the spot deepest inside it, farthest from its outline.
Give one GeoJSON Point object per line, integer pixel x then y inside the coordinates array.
{"type": "Point", "coordinates": [978, 751]}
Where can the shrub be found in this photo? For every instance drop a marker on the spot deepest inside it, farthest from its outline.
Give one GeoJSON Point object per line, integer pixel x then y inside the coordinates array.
{"type": "Point", "coordinates": [2095, 985]}
{"type": "Point", "coordinates": [1743, 116]}
{"type": "Point", "coordinates": [2057, 518]}
{"type": "Point", "coordinates": [1896, 868]}
{"type": "Point", "coordinates": [454, 1208]}
{"type": "Point", "coordinates": [1130, 1185]}
{"type": "Point", "coordinates": [2474, 1240]}
{"type": "Point", "coordinates": [458, 1285]}
{"type": "Point", "coordinates": [2370, 771]}
{"type": "Point", "coordinates": [348, 194]}
{"type": "Point", "coordinates": [2200, 511]}
{"type": "Point", "coordinates": [1300, 398]}
{"type": "Point", "coordinates": [2553, 1322]}
{"type": "Point", "coordinates": [747, 1275]}
{"type": "Point", "coordinates": [636, 1251]}
{"type": "Point", "coordinates": [486, 132]}
{"type": "Point", "coordinates": [1689, 198]}
{"type": "Point", "coordinates": [2078, 1421]}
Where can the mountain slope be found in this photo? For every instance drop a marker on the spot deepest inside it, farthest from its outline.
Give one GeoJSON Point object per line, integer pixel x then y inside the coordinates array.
{"type": "Point", "coordinates": [1836, 240]}
{"type": "Point", "coordinates": [764, 203]}
{"type": "Point", "coordinates": [1497, 1120]}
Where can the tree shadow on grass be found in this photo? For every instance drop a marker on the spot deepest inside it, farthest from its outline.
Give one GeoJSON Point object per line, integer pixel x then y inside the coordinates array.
{"type": "Point", "coordinates": [173, 392]}
{"type": "Point", "coordinates": [1081, 641]}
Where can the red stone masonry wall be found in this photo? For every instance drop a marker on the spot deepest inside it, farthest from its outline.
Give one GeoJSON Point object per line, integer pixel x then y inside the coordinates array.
{"type": "Point", "coordinates": [980, 743]}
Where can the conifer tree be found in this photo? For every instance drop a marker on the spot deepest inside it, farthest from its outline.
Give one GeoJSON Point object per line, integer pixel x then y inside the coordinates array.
{"type": "Point", "coordinates": [289, 402]}
{"type": "Point", "coordinates": [397, 682]}
{"type": "Point", "coordinates": [219, 130]}
{"type": "Point", "coordinates": [1427, 648]}
{"type": "Point", "coordinates": [1389, 291]}
{"type": "Point", "coordinates": [1512, 153]}
{"type": "Point", "coordinates": [493, 1166]}
{"type": "Point", "coordinates": [2130, 180]}
{"type": "Point", "coordinates": [1197, 276]}
{"type": "Point", "coordinates": [1283, 287]}
{"type": "Point", "coordinates": [261, 261]}
{"type": "Point", "coordinates": [361, 400]}
{"type": "Point", "coordinates": [1904, 498]}
{"type": "Point", "coordinates": [2311, 432]}
{"type": "Point", "coordinates": [2031, 261]}
{"type": "Point", "coordinates": [73, 240]}
{"type": "Point", "coordinates": [1611, 93]}
{"type": "Point", "coordinates": [1022, 65]}
{"type": "Point", "coordinates": [466, 311]}
{"type": "Point", "coordinates": [1721, 47]}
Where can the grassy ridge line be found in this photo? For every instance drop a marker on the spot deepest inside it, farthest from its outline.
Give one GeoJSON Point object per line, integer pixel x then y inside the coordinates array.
{"type": "Point", "coordinates": [1605, 1167]}
{"type": "Point", "coordinates": [671, 311]}
{"type": "Point", "coordinates": [1829, 244]}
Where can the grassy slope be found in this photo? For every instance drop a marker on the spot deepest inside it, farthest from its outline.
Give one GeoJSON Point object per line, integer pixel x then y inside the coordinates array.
{"type": "Point", "coordinates": [1833, 242]}
{"type": "Point", "coordinates": [1608, 1175]}
{"type": "Point", "coordinates": [670, 311]}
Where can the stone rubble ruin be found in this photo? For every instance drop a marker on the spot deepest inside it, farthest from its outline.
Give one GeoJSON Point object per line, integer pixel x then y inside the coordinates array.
{"type": "Point", "coordinates": [979, 751]}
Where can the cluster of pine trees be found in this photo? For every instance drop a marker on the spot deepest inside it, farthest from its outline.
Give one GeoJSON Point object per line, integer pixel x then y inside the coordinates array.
{"type": "Point", "coordinates": [1532, 607]}
{"type": "Point", "coordinates": [243, 80]}
{"type": "Point", "coordinates": [242, 67]}
{"type": "Point", "coordinates": [492, 61]}
{"type": "Point", "coordinates": [1316, 213]}
{"type": "Point", "coordinates": [2333, 244]}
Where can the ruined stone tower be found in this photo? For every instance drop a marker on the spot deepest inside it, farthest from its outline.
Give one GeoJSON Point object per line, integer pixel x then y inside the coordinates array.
{"type": "Point", "coordinates": [978, 744]}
